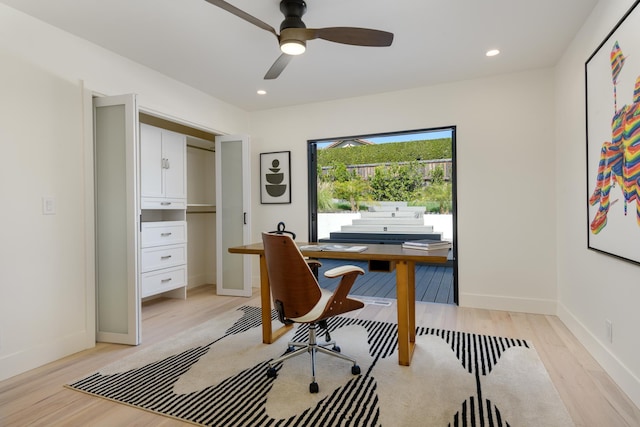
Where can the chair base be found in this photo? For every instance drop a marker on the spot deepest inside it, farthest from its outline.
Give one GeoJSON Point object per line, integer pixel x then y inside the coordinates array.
{"type": "Point", "coordinates": [312, 347]}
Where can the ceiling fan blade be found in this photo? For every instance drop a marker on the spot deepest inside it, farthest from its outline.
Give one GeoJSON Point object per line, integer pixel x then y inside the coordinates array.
{"type": "Point", "coordinates": [277, 67]}
{"type": "Point", "coordinates": [345, 35]}
{"type": "Point", "coordinates": [243, 15]}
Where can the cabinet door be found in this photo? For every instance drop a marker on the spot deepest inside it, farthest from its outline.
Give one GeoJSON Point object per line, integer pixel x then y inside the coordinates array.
{"type": "Point", "coordinates": [174, 146]}
{"type": "Point", "coordinates": [151, 161]}
{"type": "Point", "coordinates": [117, 216]}
{"type": "Point", "coordinates": [233, 200]}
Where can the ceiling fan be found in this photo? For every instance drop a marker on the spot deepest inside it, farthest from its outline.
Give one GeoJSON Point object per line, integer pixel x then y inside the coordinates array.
{"type": "Point", "coordinates": [294, 33]}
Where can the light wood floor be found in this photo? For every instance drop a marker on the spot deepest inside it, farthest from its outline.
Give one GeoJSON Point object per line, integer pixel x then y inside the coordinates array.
{"type": "Point", "coordinates": [38, 398]}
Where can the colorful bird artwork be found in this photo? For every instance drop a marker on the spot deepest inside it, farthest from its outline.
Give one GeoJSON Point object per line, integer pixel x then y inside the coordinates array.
{"type": "Point", "coordinates": [619, 163]}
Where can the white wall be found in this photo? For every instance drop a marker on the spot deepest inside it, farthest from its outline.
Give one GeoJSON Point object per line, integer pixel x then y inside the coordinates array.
{"type": "Point", "coordinates": [46, 290]}
{"type": "Point", "coordinates": [506, 175]}
{"type": "Point", "coordinates": [42, 257]}
{"type": "Point", "coordinates": [592, 287]}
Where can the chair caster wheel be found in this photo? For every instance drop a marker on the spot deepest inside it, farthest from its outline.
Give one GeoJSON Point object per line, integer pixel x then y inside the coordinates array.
{"type": "Point", "coordinates": [336, 349]}
{"type": "Point", "coordinates": [313, 387]}
{"type": "Point", "coordinates": [272, 373]}
{"type": "Point", "coordinates": [355, 370]}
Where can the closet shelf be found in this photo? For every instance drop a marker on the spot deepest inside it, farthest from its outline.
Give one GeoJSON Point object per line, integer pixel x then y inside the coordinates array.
{"type": "Point", "coordinates": [201, 208]}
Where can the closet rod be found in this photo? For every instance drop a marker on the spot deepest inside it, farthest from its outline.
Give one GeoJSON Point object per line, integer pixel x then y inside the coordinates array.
{"type": "Point", "coordinates": [201, 212]}
{"type": "Point", "coordinates": [200, 148]}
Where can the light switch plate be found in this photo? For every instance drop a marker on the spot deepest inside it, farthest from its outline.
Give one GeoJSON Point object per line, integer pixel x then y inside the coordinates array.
{"type": "Point", "coordinates": [48, 205]}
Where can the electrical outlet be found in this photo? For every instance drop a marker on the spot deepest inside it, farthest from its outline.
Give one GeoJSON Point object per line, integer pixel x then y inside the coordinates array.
{"type": "Point", "coordinates": [609, 330]}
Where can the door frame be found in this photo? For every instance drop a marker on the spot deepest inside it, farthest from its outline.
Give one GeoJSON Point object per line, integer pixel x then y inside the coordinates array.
{"type": "Point", "coordinates": [88, 95]}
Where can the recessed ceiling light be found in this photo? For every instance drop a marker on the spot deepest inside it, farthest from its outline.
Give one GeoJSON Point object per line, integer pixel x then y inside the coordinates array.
{"type": "Point", "coordinates": [493, 52]}
{"type": "Point", "coordinates": [262, 92]}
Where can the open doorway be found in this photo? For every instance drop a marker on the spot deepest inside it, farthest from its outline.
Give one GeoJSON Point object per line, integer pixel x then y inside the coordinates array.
{"type": "Point", "coordinates": [388, 188]}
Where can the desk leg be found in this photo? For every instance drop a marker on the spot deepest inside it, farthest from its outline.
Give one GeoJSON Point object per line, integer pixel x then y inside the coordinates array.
{"type": "Point", "coordinates": [265, 301]}
{"type": "Point", "coordinates": [268, 334]}
{"type": "Point", "coordinates": [405, 312]}
{"type": "Point", "coordinates": [411, 285]}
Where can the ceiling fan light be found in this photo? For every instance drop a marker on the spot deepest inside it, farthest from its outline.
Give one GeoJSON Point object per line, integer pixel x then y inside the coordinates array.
{"type": "Point", "coordinates": [293, 47]}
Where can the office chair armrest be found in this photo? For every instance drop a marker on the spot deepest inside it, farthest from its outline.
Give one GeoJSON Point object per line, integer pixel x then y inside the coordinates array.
{"type": "Point", "coordinates": [313, 262]}
{"type": "Point", "coordinates": [339, 301]}
{"type": "Point", "coordinates": [342, 270]}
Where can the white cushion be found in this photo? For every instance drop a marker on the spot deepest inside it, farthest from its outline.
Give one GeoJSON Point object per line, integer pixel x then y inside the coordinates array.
{"type": "Point", "coordinates": [317, 310]}
{"type": "Point", "coordinates": [342, 270]}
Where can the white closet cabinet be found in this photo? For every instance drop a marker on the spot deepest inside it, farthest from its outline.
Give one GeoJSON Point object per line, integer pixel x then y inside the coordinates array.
{"type": "Point", "coordinates": [163, 163]}
{"type": "Point", "coordinates": [163, 257]}
{"type": "Point", "coordinates": [163, 229]}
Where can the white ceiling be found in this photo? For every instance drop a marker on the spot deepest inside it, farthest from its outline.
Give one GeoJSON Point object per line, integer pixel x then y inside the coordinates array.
{"type": "Point", "coordinates": [436, 41]}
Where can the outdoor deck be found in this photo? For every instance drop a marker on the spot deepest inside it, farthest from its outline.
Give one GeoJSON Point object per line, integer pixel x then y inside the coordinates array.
{"type": "Point", "coordinates": [433, 283]}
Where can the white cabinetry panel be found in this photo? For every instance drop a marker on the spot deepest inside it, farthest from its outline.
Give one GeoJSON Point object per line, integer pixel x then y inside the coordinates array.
{"type": "Point", "coordinates": [163, 158]}
{"type": "Point", "coordinates": [151, 161]}
{"type": "Point", "coordinates": [163, 233]}
{"type": "Point", "coordinates": [174, 149]}
{"type": "Point", "coordinates": [162, 257]}
{"type": "Point", "coordinates": [163, 280]}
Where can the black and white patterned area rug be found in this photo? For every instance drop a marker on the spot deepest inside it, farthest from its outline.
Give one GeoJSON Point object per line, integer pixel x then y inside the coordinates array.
{"type": "Point", "coordinates": [215, 375]}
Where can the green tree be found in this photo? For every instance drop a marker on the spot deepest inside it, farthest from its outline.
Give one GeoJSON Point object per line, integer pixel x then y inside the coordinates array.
{"type": "Point", "coordinates": [353, 191]}
{"type": "Point", "coordinates": [439, 193]}
{"type": "Point", "coordinates": [437, 175]}
{"type": "Point", "coordinates": [395, 182]}
{"type": "Point", "coordinates": [339, 172]}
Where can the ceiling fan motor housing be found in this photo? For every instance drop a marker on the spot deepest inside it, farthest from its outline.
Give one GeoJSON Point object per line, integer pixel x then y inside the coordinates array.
{"type": "Point", "coordinates": [292, 11]}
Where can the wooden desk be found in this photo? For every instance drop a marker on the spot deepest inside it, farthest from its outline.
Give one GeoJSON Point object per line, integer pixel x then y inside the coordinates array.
{"type": "Point", "coordinates": [404, 261]}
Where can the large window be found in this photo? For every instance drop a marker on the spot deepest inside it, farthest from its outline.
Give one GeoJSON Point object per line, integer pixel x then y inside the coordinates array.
{"type": "Point", "coordinates": [401, 182]}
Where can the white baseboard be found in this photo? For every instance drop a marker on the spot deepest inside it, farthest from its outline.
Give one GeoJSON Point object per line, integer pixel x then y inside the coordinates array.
{"type": "Point", "coordinates": [198, 280]}
{"type": "Point", "coordinates": [31, 358]}
{"type": "Point", "coordinates": [621, 375]}
{"type": "Point", "coordinates": [521, 305]}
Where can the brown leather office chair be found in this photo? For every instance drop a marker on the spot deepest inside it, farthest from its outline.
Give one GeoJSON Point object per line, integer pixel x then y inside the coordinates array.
{"type": "Point", "coordinates": [298, 298]}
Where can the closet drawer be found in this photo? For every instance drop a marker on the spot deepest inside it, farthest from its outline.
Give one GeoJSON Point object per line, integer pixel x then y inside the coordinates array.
{"type": "Point", "coordinates": [164, 280]}
{"type": "Point", "coordinates": [162, 257]}
{"type": "Point", "coordinates": [147, 203]}
{"type": "Point", "coordinates": [163, 233]}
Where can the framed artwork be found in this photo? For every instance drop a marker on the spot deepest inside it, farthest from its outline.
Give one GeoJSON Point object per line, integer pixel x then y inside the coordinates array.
{"type": "Point", "coordinates": [275, 177]}
{"type": "Point", "coordinates": [612, 85]}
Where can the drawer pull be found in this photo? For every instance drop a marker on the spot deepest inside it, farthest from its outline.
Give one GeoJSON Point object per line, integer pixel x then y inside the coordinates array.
{"type": "Point", "coordinates": [165, 257]}
{"type": "Point", "coordinates": [166, 234]}
{"type": "Point", "coordinates": [166, 280]}
{"type": "Point", "coordinates": [165, 203]}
